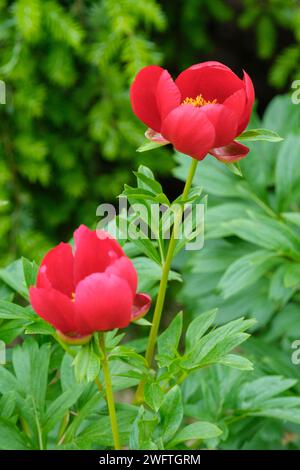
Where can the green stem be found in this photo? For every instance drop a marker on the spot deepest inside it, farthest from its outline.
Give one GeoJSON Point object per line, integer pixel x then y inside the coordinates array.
{"type": "Point", "coordinates": [38, 427]}
{"type": "Point", "coordinates": [109, 394]}
{"type": "Point", "coordinates": [164, 281]}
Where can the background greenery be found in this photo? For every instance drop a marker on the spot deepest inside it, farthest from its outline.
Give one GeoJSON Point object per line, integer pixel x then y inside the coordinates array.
{"type": "Point", "coordinates": [68, 140]}
{"type": "Point", "coordinates": [68, 136]}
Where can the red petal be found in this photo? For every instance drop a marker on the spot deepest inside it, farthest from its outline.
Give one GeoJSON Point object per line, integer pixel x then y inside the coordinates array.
{"type": "Point", "coordinates": [250, 94]}
{"type": "Point", "coordinates": [168, 96]}
{"type": "Point", "coordinates": [237, 103]}
{"type": "Point", "coordinates": [231, 153]}
{"type": "Point", "coordinates": [56, 269]}
{"type": "Point", "coordinates": [94, 252]}
{"type": "Point", "coordinates": [189, 130]}
{"type": "Point", "coordinates": [143, 96]}
{"type": "Point", "coordinates": [102, 302]}
{"type": "Point", "coordinates": [155, 136]}
{"type": "Point", "coordinates": [54, 307]}
{"type": "Point", "coordinates": [123, 267]}
{"type": "Point", "coordinates": [224, 121]}
{"type": "Point", "coordinates": [141, 306]}
{"type": "Point", "coordinates": [211, 79]}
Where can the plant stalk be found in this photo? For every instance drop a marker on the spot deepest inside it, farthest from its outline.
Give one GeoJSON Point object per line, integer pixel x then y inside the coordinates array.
{"type": "Point", "coordinates": [164, 282]}
{"type": "Point", "coordinates": [109, 394]}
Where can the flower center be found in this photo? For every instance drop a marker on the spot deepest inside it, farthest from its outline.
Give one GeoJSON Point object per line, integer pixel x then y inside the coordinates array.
{"type": "Point", "coordinates": [73, 297]}
{"type": "Point", "coordinates": [198, 101]}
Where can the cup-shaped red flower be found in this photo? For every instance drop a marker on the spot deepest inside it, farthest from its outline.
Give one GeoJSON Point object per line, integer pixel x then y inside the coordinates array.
{"type": "Point", "coordinates": [201, 112]}
{"type": "Point", "coordinates": [92, 289]}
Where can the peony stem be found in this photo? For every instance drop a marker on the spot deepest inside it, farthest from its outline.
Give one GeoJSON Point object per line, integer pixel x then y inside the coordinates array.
{"type": "Point", "coordinates": [164, 281]}
{"type": "Point", "coordinates": [109, 394]}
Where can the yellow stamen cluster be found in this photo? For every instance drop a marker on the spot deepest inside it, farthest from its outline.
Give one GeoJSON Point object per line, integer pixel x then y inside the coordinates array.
{"type": "Point", "coordinates": [198, 101]}
{"type": "Point", "coordinates": [73, 297]}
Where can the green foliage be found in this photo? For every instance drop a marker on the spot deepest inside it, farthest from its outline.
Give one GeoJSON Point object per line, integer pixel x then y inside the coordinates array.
{"type": "Point", "coordinates": [250, 266]}
{"type": "Point", "coordinates": [67, 69]}
{"type": "Point", "coordinates": [267, 18]}
{"type": "Point", "coordinates": [48, 398]}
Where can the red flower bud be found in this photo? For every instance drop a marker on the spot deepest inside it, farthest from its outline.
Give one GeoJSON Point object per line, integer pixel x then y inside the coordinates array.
{"type": "Point", "coordinates": [202, 112]}
{"type": "Point", "coordinates": [93, 289]}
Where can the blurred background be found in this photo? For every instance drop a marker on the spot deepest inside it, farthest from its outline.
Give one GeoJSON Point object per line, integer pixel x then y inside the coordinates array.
{"type": "Point", "coordinates": [68, 135]}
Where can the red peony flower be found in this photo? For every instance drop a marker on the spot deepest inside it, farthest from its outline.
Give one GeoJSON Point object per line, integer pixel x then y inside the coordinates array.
{"type": "Point", "coordinates": [93, 289]}
{"type": "Point", "coordinates": [202, 112]}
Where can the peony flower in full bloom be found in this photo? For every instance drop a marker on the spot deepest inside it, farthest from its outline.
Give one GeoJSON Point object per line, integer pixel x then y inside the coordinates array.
{"type": "Point", "coordinates": [201, 112]}
{"type": "Point", "coordinates": [92, 289]}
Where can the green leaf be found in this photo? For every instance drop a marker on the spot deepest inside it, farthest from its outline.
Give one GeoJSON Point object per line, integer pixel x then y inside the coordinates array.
{"type": "Point", "coordinates": [235, 168]}
{"type": "Point", "coordinates": [171, 413]}
{"type": "Point", "coordinates": [292, 415]}
{"type": "Point", "coordinates": [8, 382]}
{"type": "Point", "coordinates": [10, 330]}
{"type": "Point", "coordinates": [154, 395]}
{"type": "Point", "coordinates": [149, 273]}
{"type": "Point", "coordinates": [198, 327]}
{"type": "Point", "coordinates": [13, 276]}
{"type": "Point", "coordinates": [93, 368]}
{"type": "Point", "coordinates": [288, 172]}
{"type": "Point", "coordinates": [168, 341]}
{"type": "Point", "coordinates": [245, 271]}
{"type": "Point", "coordinates": [142, 322]}
{"type": "Point", "coordinates": [212, 347]}
{"type": "Point", "coordinates": [11, 438]}
{"type": "Point", "coordinates": [252, 135]}
{"type": "Point", "coordinates": [58, 408]}
{"type": "Point", "coordinates": [292, 217]}
{"type": "Point", "coordinates": [145, 170]}
{"type": "Point", "coordinates": [286, 324]}
{"type": "Point", "coordinates": [31, 364]}
{"type": "Point", "coordinates": [199, 430]}
{"type": "Point", "coordinates": [131, 356]}
{"type": "Point", "coordinates": [39, 327]}
{"type": "Point", "coordinates": [141, 435]}
{"type": "Point", "coordinates": [282, 115]}
{"type": "Point", "coordinates": [86, 364]}
{"type": "Point", "coordinates": [98, 431]}
{"type": "Point", "coordinates": [67, 376]}
{"type": "Point", "coordinates": [292, 275]}
{"type": "Point", "coordinates": [85, 411]}
{"type": "Point", "coordinates": [278, 291]}
{"type": "Point", "coordinates": [236, 361]}
{"type": "Point", "coordinates": [255, 393]}
{"type": "Point", "coordinates": [30, 269]}
{"type": "Point", "coordinates": [146, 146]}
{"type": "Point", "coordinates": [150, 184]}
{"type": "Point", "coordinates": [147, 247]}
{"type": "Point", "coordinates": [268, 233]}
{"type": "Point", "coordinates": [213, 177]}
{"type": "Point", "coordinates": [12, 311]}
{"type": "Point", "coordinates": [7, 404]}
{"type": "Point", "coordinates": [113, 339]}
